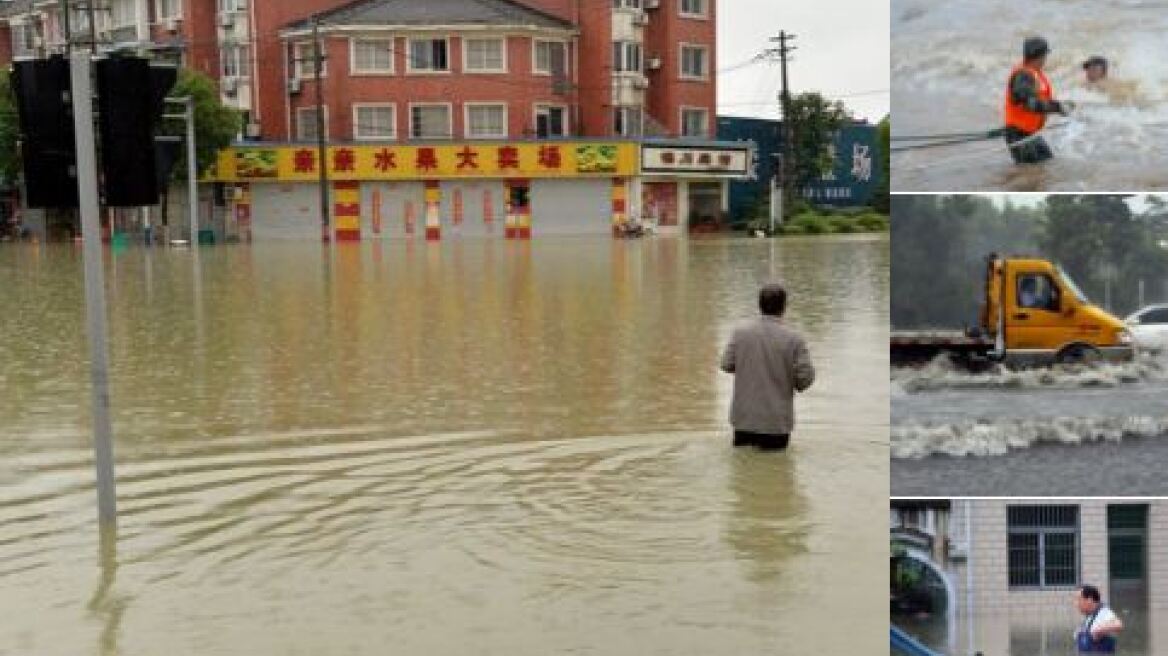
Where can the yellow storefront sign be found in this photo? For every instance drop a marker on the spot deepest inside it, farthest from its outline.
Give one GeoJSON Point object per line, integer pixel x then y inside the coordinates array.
{"type": "Point", "coordinates": [553, 159]}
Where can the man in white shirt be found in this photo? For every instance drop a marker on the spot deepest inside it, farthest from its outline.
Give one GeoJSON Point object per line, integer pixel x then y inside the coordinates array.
{"type": "Point", "coordinates": [1097, 634]}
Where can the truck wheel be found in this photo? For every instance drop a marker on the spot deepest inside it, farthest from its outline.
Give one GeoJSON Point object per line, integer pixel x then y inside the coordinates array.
{"type": "Point", "coordinates": [1079, 354]}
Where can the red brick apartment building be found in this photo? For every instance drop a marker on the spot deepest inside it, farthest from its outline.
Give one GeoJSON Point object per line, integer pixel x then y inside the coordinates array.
{"type": "Point", "coordinates": [459, 71]}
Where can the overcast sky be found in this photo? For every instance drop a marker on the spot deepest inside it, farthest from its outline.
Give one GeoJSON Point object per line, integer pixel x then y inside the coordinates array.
{"type": "Point", "coordinates": [843, 50]}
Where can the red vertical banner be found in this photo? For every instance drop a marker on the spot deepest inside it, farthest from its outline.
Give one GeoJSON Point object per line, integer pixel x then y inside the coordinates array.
{"type": "Point", "coordinates": [376, 213]}
{"type": "Point", "coordinates": [456, 202]}
{"type": "Point", "coordinates": [488, 210]}
{"type": "Point", "coordinates": [409, 217]}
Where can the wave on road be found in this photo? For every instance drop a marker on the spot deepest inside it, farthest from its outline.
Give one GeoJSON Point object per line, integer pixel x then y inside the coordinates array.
{"type": "Point", "coordinates": [995, 438]}
{"type": "Point", "coordinates": [942, 374]}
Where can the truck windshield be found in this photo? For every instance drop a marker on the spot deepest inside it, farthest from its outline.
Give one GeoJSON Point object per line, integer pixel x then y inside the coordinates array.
{"type": "Point", "coordinates": [1070, 283]}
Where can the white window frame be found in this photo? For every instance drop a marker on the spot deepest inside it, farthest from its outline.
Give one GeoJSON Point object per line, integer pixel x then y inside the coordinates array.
{"type": "Point", "coordinates": [705, 61]}
{"type": "Point", "coordinates": [625, 47]}
{"type": "Point", "coordinates": [412, 70]}
{"type": "Point", "coordinates": [629, 5]}
{"type": "Point", "coordinates": [535, 110]}
{"type": "Point", "coordinates": [449, 119]}
{"type": "Point", "coordinates": [623, 109]}
{"type": "Point", "coordinates": [681, 121]}
{"type": "Point", "coordinates": [300, 122]}
{"type": "Point", "coordinates": [355, 71]}
{"type": "Point", "coordinates": [704, 14]}
{"type": "Point", "coordinates": [357, 106]}
{"type": "Point", "coordinates": [502, 40]}
{"type": "Point", "coordinates": [133, 20]}
{"type": "Point", "coordinates": [240, 54]}
{"type": "Point", "coordinates": [467, 106]}
{"type": "Point", "coordinates": [300, 63]}
{"type": "Point", "coordinates": [535, 69]}
{"type": "Point", "coordinates": [159, 4]}
{"type": "Point", "coordinates": [232, 6]}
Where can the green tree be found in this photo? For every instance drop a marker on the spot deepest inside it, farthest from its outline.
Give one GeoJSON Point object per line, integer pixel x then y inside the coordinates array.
{"type": "Point", "coordinates": [815, 120]}
{"type": "Point", "coordinates": [881, 198]}
{"type": "Point", "coordinates": [9, 132]}
{"type": "Point", "coordinates": [216, 126]}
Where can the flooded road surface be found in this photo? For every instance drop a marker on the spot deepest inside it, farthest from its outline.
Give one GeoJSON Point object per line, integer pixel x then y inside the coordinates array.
{"type": "Point", "coordinates": [1078, 431]}
{"type": "Point", "coordinates": [950, 63]}
{"type": "Point", "coordinates": [466, 448]}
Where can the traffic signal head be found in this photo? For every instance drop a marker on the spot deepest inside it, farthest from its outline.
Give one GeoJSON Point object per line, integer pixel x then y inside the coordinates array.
{"type": "Point", "coordinates": [48, 150]}
{"type": "Point", "coordinates": [131, 100]}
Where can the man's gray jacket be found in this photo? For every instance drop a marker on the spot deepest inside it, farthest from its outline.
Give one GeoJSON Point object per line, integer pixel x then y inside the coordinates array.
{"type": "Point", "coordinates": [770, 362]}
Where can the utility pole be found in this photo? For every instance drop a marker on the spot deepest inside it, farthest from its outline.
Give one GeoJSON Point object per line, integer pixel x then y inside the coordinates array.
{"type": "Point", "coordinates": [321, 142]}
{"type": "Point", "coordinates": [787, 160]}
{"type": "Point", "coordinates": [103, 453]}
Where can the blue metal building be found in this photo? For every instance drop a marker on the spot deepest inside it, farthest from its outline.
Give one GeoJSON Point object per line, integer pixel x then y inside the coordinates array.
{"type": "Point", "coordinates": [858, 170]}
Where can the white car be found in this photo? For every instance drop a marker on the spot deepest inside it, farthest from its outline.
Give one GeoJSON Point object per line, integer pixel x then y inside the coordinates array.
{"type": "Point", "coordinates": [1149, 327]}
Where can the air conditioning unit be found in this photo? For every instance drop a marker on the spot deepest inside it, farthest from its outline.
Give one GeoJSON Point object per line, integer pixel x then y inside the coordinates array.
{"type": "Point", "coordinates": [226, 21]}
{"type": "Point", "coordinates": [294, 85]}
{"type": "Point", "coordinates": [172, 24]}
{"type": "Point", "coordinates": [229, 85]}
{"type": "Point", "coordinates": [252, 131]}
{"type": "Point", "coordinates": [653, 63]}
{"type": "Point", "coordinates": [641, 19]}
{"type": "Point", "coordinates": [640, 82]}
{"type": "Point", "coordinates": [652, 4]}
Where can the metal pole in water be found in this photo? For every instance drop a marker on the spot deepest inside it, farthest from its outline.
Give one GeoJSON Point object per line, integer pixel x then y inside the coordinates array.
{"type": "Point", "coordinates": [103, 451]}
{"type": "Point", "coordinates": [192, 173]}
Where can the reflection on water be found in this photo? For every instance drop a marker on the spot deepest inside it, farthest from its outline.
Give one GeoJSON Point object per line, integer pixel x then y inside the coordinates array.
{"type": "Point", "coordinates": [516, 448]}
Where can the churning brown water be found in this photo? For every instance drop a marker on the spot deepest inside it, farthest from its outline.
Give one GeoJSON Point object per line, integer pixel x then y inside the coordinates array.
{"type": "Point", "coordinates": [466, 448]}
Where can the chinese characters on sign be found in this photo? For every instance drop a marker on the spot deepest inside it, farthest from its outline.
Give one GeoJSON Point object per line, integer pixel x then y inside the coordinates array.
{"type": "Point", "coordinates": [687, 159]}
{"type": "Point", "coordinates": [358, 162]}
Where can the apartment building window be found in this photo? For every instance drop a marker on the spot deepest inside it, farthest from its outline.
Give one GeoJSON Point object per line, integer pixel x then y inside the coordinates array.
{"type": "Point", "coordinates": [551, 121]}
{"type": "Point", "coordinates": [486, 120]}
{"type": "Point", "coordinates": [227, 6]}
{"type": "Point", "coordinates": [168, 9]}
{"type": "Point", "coordinates": [24, 38]}
{"type": "Point", "coordinates": [693, 8]}
{"type": "Point", "coordinates": [626, 121]}
{"type": "Point", "coordinates": [1043, 546]}
{"type": "Point", "coordinates": [374, 121]}
{"type": "Point", "coordinates": [551, 57]}
{"type": "Point", "coordinates": [123, 13]}
{"type": "Point", "coordinates": [372, 56]}
{"type": "Point", "coordinates": [236, 60]}
{"type": "Point", "coordinates": [626, 4]}
{"type": "Point", "coordinates": [306, 123]}
{"type": "Point", "coordinates": [429, 55]}
{"type": "Point", "coordinates": [304, 61]}
{"type": "Point", "coordinates": [626, 57]}
{"type": "Point", "coordinates": [695, 122]}
{"type": "Point", "coordinates": [694, 62]}
{"type": "Point", "coordinates": [484, 55]}
{"type": "Point", "coordinates": [430, 121]}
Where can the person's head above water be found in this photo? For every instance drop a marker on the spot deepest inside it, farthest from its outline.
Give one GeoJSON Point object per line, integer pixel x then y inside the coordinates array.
{"type": "Point", "coordinates": [1034, 51]}
{"type": "Point", "coordinates": [772, 300]}
{"type": "Point", "coordinates": [1088, 599]}
{"type": "Point", "coordinates": [1096, 68]}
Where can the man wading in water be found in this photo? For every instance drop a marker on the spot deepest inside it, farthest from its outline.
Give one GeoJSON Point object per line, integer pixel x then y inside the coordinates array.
{"type": "Point", "coordinates": [770, 362]}
{"type": "Point", "coordinates": [1100, 625]}
{"type": "Point", "coordinates": [1029, 98]}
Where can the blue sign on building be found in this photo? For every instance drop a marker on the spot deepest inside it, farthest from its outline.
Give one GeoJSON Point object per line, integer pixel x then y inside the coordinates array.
{"type": "Point", "coordinates": [853, 180]}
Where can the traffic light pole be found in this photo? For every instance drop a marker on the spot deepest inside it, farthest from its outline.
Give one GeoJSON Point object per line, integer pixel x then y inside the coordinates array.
{"type": "Point", "coordinates": [103, 452]}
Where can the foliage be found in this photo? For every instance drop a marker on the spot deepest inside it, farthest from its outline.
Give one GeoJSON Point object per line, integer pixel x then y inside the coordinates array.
{"type": "Point", "coordinates": [815, 120]}
{"type": "Point", "coordinates": [216, 126]}
{"type": "Point", "coordinates": [880, 200]}
{"type": "Point", "coordinates": [9, 131]}
{"type": "Point", "coordinates": [940, 244]}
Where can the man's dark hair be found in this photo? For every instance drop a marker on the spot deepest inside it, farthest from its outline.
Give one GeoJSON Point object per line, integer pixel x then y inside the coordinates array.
{"type": "Point", "coordinates": [1095, 60]}
{"type": "Point", "coordinates": [772, 300]}
{"type": "Point", "coordinates": [1090, 592]}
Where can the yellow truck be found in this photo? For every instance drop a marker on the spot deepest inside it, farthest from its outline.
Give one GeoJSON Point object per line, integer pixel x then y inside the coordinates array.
{"type": "Point", "coordinates": [1032, 313]}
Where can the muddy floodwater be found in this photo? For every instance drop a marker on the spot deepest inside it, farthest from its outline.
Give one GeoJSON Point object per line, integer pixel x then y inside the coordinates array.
{"type": "Point", "coordinates": [950, 63]}
{"type": "Point", "coordinates": [464, 448]}
{"type": "Point", "coordinates": [1077, 431]}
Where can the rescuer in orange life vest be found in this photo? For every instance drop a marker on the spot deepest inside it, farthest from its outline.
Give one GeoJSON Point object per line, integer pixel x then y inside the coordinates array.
{"type": "Point", "coordinates": [1029, 98]}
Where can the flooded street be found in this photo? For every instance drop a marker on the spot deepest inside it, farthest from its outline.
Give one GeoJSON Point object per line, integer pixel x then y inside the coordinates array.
{"type": "Point", "coordinates": [950, 63]}
{"type": "Point", "coordinates": [468, 448]}
{"type": "Point", "coordinates": [1038, 432]}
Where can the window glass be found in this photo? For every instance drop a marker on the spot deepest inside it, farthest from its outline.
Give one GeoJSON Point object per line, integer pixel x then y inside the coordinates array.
{"type": "Point", "coordinates": [430, 122]}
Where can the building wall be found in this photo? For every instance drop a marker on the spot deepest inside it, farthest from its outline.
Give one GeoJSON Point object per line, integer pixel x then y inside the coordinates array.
{"type": "Point", "coordinates": [668, 92]}
{"type": "Point", "coordinates": [519, 87]}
